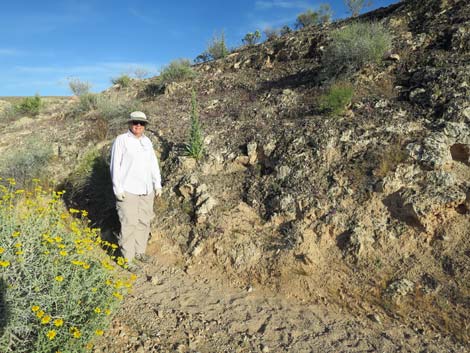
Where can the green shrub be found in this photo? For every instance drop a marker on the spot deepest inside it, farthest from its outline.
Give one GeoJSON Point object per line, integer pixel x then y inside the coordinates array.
{"type": "Point", "coordinates": [115, 108]}
{"type": "Point", "coordinates": [324, 14]}
{"type": "Point", "coordinates": [79, 87]}
{"type": "Point", "coordinates": [123, 80]}
{"type": "Point", "coordinates": [338, 97]}
{"type": "Point", "coordinates": [108, 107]}
{"type": "Point", "coordinates": [29, 105]}
{"type": "Point", "coordinates": [356, 6]}
{"type": "Point", "coordinates": [309, 17]}
{"type": "Point", "coordinates": [217, 49]}
{"type": "Point", "coordinates": [306, 19]}
{"type": "Point", "coordinates": [87, 102]}
{"type": "Point", "coordinates": [195, 145]}
{"type": "Point", "coordinates": [59, 290]}
{"type": "Point", "coordinates": [251, 38]}
{"type": "Point", "coordinates": [27, 161]}
{"type": "Point", "coordinates": [177, 70]}
{"type": "Point", "coordinates": [354, 46]}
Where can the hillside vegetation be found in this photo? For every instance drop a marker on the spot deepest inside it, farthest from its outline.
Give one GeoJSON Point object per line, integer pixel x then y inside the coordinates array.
{"type": "Point", "coordinates": [334, 172]}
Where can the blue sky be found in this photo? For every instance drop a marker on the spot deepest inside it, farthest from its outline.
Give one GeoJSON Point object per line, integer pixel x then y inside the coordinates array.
{"type": "Point", "coordinates": [45, 43]}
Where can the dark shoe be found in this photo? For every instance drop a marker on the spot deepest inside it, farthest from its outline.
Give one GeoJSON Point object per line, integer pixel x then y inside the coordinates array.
{"type": "Point", "coordinates": [143, 258]}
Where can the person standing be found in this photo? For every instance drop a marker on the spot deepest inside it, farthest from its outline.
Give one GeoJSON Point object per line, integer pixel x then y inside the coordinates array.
{"type": "Point", "coordinates": [136, 181]}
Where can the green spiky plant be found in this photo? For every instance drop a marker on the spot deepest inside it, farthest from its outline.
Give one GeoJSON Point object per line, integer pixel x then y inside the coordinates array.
{"type": "Point", "coordinates": [195, 145]}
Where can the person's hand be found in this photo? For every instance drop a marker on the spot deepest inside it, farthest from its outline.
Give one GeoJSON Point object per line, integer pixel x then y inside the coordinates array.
{"type": "Point", "coordinates": [158, 192]}
{"type": "Point", "coordinates": [120, 197]}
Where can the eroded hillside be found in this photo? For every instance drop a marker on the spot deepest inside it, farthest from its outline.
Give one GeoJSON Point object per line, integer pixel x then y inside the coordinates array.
{"type": "Point", "coordinates": [366, 211]}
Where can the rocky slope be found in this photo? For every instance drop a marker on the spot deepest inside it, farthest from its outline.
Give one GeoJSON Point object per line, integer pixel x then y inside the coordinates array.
{"type": "Point", "coordinates": [366, 212]}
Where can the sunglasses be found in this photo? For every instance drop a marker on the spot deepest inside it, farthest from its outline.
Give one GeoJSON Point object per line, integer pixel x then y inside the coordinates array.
{"type": "Point", "coordinates": [141, 123]}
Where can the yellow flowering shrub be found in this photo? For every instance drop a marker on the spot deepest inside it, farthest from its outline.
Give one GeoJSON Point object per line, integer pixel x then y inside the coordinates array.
{"type": "Point", "coordinates": [58, 288]}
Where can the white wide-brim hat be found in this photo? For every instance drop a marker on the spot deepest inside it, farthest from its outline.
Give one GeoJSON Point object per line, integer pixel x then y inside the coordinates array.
{"type": "Point", "coordinates": [137, 116]}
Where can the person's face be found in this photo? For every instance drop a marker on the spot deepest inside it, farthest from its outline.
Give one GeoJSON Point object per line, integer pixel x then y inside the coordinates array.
{"type": "Point", "coordinates": [137, 128]}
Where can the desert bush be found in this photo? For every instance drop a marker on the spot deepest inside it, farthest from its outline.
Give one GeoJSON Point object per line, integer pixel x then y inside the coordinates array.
{"type": "Point", "coordinates": [122, 80]}
{"type": "Point", "coordinates": [306, 19]}
{"type": "Point", "coordinates": [356, 6]}
{"type": "Point", "coordinates": [29, 105]}
{"type": "Point", "coordinates": [251, 38]}
{"type": "Point", "coordinates": [217, 49]}
{"type": "Point", "coordinates": [59, 289]}
{"type": "Point", "coordinates": [115, 108]}
{"type": "Point", "coordinates": [79, 87]}
{"type": "Point", "coordinates": [7, 112]}
{"type": "Point", "coordinates": [141, 72]}
{"type": "Point", "coordinates": [338, 97]}
{"type": "Point", "coordinates": [27, 161]}
{"type": "Point", "coordinates": [324, 13]}
{"type": "Point", "coordinates": [177, 70]}
{"type": "Point", "coordinates": [87, 102]}
{"type": "Point", "coordinates": [271, 33]}
{"type": "Point", "coordinates": [285, 30]}
{"type": "Point", "coordinates": [354, 46]}
{"type": "Point", "coordinates": [195, 145]}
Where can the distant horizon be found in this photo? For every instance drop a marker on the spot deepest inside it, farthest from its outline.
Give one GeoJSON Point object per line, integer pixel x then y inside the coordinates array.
{"type": "Point", "coordinates": [43, 44]}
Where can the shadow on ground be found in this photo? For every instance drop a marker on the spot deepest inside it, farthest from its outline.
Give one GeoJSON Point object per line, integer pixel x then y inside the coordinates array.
{"type": "Point", "coordinates": [4, 312]}
{"type": "Point", "coordinates": [93, 192]}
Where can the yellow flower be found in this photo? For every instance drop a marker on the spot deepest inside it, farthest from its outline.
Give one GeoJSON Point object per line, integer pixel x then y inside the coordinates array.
{"type": "Point", "coordinates": [99, 332]}
{"type": "Point", "coordinates": [86, 266]}
{"type": "Point", "coordinates": [18, 245]}
{"type": "Point", "coordinates": [40, 314]}
{"type": "Point", "coordinates": [35, 308]}
{"type": "Point", "coordinates": [61, 246]}
{"type": "Point", "coordinates": [84, 213]}
{"type": "Point", "coordinates": [73, 210]}
{"type": "Point", "coordinates": [4, 263]}
{"type": "Point", "coordinates": [63, 253]}
{"type": "Point", "coordinates": [118, 295]}
{"type": "Point", "coordinates": [58, 322]}
{"type": "Point", "coordinates": [15, 234]}
{"type": "Point", "coordinates": [19, 252]}
{"type": "Point", "coordinates": [51, 334]}
{"type": "Point", "coordinates": [75, 332]}
{"type": "Point", "coordinates": [107, 312]}
{"type": "Point", "coordinates": [58, 239]}
{"type": "Point", "coordinates": [46, 319]}
{"type": "Point", "coordinates": [77, 262]}
{"type": "Point", "coordinates": [97, 310]}
{"type": "Point", "coordinates": [59, 278]}
{"type": "Point", "coordinates": [94, 290]}
{"type": "Point", "coordinates": [2, 250]}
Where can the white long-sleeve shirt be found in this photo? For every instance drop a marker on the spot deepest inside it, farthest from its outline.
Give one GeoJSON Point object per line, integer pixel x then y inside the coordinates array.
{"type": "Point", "coordinates": [134, 165]}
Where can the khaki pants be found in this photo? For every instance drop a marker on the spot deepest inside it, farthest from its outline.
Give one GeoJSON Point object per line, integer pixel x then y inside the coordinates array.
{"type": "Point", "coordinates": [135, 214]}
